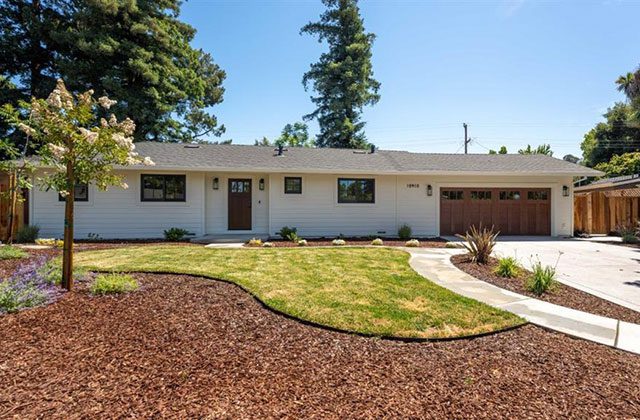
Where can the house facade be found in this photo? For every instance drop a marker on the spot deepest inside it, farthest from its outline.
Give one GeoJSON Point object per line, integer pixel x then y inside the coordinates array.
{"type": "Point", "coordinates": [256, 190]}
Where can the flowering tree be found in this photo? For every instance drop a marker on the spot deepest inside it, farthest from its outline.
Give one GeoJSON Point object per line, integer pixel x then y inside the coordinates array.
{"type": "Point", "coordinates": [77, 146]}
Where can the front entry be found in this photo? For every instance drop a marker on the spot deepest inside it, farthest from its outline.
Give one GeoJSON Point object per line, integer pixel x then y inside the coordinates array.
{"type": "Point", "coordinates": [239, 204]}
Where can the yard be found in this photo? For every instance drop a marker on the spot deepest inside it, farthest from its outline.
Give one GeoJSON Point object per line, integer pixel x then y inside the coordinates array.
{"type": "Point", "coordinates": [363, 290]}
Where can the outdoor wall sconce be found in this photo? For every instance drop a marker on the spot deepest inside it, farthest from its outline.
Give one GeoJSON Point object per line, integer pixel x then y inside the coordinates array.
{"type": "Point", "coordinates": [565, 191]}
{"type": "Point", "coordinates": [216, 183]}
{"type": "Point", "coordinates": [429, 190]}
{"type": "Point", "coordinates": [261, 184]}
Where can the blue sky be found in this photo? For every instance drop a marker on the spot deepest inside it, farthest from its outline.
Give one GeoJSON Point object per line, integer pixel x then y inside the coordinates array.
{"type": "Point", "coordinates": [517, 72]}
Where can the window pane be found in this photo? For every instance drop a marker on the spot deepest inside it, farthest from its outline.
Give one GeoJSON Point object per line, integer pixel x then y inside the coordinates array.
{"type": "Point", "coordinates": [292, 185]}
{"type": "Point", "coordinates": [509, 195]}
{"type": "Point", "coordinates": [81, 193]}
{"type": "Point", "coordinates": [152, 187]}
{"type": "Point", "coordinates": [537, 195]}
{"type": "Point", "coordinates": [481, 195]}
{"type": "Point", "coordinates": [453, 195]}
{"type": "Point", "coordinates": [174, 188]}
{"type": "Point", "coordinates": [356, 190]}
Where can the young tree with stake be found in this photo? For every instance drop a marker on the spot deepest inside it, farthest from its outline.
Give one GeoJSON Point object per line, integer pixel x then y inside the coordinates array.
{"type": "Point", "coordinates": [77, 146]}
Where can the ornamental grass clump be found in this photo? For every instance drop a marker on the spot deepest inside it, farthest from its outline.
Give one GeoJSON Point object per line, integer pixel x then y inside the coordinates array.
{"type": "Point", "coordinates": [26, 288]}
{"type": "Point", "coordinates": [508, 267]}
{"type": "Point", "coordinates": [8, 252]}
{"type": "Point", "coordinates": [377, 242]}
{"type": "Point", "coordinates": [255, 242]}
{"type": "Point", "coordinates": [339, 242]}
{"type": "Point", "coordinates": [413, 243]}
{"type": "Point", "coordinates": [404, 232]}
{"type": "Point", "coordinates": [113, 283]}
{"type": "Point", "coordinates": [303, 242]}
{"type": "Point", "coordinates": [480, 243]}
{"type": "Point", "coordinates": [27, 234]}
{"type": "Point", "coordinates": [628, 233]}
{"type": "Point", "coordinates": [51, 271]}
{"type": "Point", "coordinates": [542, 279]}
{"type": "Point", "coordinates": [267, 245]}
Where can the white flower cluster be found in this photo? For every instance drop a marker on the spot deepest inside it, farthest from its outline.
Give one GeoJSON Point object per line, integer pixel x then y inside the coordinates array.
{"type": "Point", "coordinates": [105, 102]}
{"type": "Point", "coordinates": [57, 151]}
{"type": "Point", "coordinates": [89, 135]}
{"type": "Point", "coordinates": [60, 97]}
{"type": "Point", "coordinates": [26, 129]}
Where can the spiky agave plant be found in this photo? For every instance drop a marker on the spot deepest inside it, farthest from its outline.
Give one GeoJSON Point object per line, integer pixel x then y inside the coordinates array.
{"type": "Point", "coordinates": [480, 242]}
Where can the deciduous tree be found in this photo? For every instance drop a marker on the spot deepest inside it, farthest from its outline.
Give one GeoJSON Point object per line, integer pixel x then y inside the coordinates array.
{"type": "Point", "coordinates": [77, 147]}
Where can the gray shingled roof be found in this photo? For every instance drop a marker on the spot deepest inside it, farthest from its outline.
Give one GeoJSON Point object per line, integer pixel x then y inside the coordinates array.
{"type": "Point", "coordinates": [265, 159]}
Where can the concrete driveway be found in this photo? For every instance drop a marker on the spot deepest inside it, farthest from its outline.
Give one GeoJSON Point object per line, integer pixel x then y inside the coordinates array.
{"type": "Point", "coordinates": [609, 271]}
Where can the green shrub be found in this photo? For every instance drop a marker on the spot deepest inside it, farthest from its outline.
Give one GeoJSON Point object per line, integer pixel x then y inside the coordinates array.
{"type": "Point", "coordinates": [27, 234]}
{"type": "Point", "coordinates": [113, 283]}
{"type": "Point", "coordinates": [404, 232]}
{"type": "Point", "coordinates": [289, 234]}
{"type": "Point", "coordinates": [413, 243]}
{"type": "Point", "coordinates": [507, 267]}
{"type": "Point", "coordinates": [175, 234]}
{"type": "Point", "coordinates": [377, 242]}
{"type": "Point", "coordinates": [51, 271]}
{"type": "Point", "coordinates": [628, 233]}
{"type": "Point", "coordinates": [480, 243]}
{"type": "Point", "coordinates": [542, 279]}
{"type": "Point", "coordinates": [8, 252]}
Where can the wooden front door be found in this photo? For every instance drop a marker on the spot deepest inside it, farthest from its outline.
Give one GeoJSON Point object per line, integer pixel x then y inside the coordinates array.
{"type": "Point", "coordinates": [239, 204]}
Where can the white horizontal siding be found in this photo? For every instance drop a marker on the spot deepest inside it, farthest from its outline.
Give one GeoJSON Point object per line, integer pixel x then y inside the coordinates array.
{"type": "Point", "coordinates": [119, 213]}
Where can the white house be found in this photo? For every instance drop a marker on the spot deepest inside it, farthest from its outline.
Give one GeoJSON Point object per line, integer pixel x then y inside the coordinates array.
{"type": "Point", "coordinates": [256, 190]}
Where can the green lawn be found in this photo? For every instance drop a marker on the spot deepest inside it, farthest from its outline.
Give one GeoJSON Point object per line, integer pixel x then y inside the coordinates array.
{"type": "Point", "coordinates": [365, 290]}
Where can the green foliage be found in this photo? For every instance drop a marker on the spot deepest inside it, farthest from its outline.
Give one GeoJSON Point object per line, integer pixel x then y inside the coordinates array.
{"type": "Point", "coordinates": [480, 243]}
{"type": "Point", "coordinates": [619, 134]}
{"type": "Point", "coordinates": [628, 233]}
{"type": "Point", "coordinates": [343, 76]}
{"type": "Point", "coordinates": [404, 232]}
{"type": "Point", "coordinates": [625, 164]}
{"type": "Point", "coordinates": [502, 151]}
{"type": "Point", "coordinates": [58, 243]}
{"type": "Point", "coordinates": [175, 234]}
{"type": "Point", "coordinates": [113, 283]}
{"type": "Point", "coordinates": [543, 149]}
{"type": "Point", "coordinates": [138, 52]}
{"type": "Point", "coordinates": [13, 299]}
{"type": "Point", "coordinates": [51, 271]}
{"type": "Point", "coordinates": [507, 267]}
{"type": "Point", "coordinates": [289, 233]}
{"type": "Point", "coordinates": [27, 234]}
{"type": "Point", "coordinates": [8, 252]}
{"type": "Point", "coordinates": [292, 135]}
{"type": "Point", "coordinates": [542, 279]}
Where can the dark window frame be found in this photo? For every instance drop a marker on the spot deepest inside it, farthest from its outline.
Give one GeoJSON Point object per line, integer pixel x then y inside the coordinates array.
{"type": "Point", "coordinates": [447, 195]}
{"type": "Point", "coordinates": [164, 188]}
{"type": "Point", "coordinates": [510, 195]}
{"type": "Point", "coordinates": [76, 198]}
{"type": "Point", "coordinates": [298, 190]}
{"type": "Point", "coordinates": [538, 195]}
{"type": "Point", "coordinates": [373, 190]}
{"type": "Point", "coordinates": [481, 195]}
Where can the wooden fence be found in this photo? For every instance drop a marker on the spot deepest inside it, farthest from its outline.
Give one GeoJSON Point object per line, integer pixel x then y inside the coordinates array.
{"type": "Point", "coordinates": [21, 214]}
{"type": "Point", "coordinates": [603, 211]}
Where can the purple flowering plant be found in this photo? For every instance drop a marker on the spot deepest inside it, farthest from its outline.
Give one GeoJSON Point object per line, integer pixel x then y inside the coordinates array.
{"type": "Point", "coordinates": [27, 287]}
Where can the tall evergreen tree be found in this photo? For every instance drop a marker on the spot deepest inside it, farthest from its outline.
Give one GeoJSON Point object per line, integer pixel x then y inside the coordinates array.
{"type": "Point", "coordinates": [343, 76]}
{"type": "Point", "coordinates": [137, 52]}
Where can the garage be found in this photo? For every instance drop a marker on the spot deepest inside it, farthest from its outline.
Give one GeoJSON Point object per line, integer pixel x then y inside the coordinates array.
{"type": "Point", "coordinates": [512, 211]}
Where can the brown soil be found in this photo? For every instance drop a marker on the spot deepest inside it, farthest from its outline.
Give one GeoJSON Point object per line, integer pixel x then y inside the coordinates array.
{"type": "Point", "coordinates": [192, 348]}
{"type": "Point", "coordinates": [424, 243]}
{"type": "Point", "coordinates": [560, 294]}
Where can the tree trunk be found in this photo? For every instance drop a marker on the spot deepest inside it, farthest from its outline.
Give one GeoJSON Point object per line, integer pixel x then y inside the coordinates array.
{"type": "Point", "coordinates": [67, 254]}
{"type": "Point", "coordinates": [13, 199]}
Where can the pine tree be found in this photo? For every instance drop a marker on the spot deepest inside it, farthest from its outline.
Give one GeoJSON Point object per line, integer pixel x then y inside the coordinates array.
{"type": "Point", "coordinates": [343, 76]}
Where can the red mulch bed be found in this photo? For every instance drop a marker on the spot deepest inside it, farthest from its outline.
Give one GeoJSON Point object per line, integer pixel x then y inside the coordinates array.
{"type": "Point", "coordinates": [561, 294]}
{"type": "Point", "coordinates": [192, 348]}
{"type": "Point", "coordinates": [424, 242]}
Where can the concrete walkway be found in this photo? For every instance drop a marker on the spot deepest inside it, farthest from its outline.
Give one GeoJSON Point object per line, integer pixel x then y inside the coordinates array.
{"type": "Point", "coordinates": [435, 265]}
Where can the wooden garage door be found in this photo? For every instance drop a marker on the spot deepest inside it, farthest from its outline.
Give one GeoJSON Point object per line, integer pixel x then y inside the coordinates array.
{"type": "Point", "coordinates": [512, 211]}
